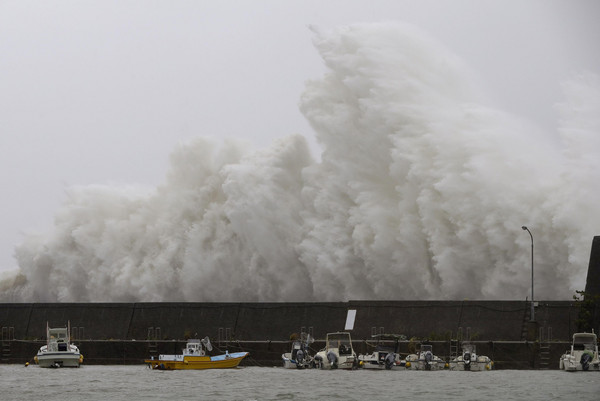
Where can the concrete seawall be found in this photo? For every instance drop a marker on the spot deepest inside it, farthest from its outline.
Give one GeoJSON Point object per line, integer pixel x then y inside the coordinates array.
{"type": "Point", "coordinates": [130, 332]}
{"type": "Point", "coordinates": [485, 320]}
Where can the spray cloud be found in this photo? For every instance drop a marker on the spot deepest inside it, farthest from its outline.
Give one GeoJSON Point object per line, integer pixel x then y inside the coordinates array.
{"type": "Point", "coordinates": [420, 193]}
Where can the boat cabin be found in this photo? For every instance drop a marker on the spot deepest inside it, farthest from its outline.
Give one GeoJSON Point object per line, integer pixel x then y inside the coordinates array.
{"type": "Point", "coordinates": [468, 348]}
{"type": "Point", "coordinates": [341, 342]}
{"type": "Point", "coordinates": [194, 347]}
{"type": "Point", "coordinates": [426, 347]}
{"type": "Point", "coordinates": [58, 339]}
{"type": "Point", "coordinates": [584, 341]}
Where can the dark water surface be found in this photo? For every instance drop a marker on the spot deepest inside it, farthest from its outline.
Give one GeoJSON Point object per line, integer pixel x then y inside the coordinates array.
{"type": "Point", "coordinates": [259, 383]}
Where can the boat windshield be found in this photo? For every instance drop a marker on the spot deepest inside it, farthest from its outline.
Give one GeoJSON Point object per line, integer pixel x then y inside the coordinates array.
{"type": "Point", "coordinates": [339, 340]}
{"type": "Point", "coordinates": [581, 342]}
{"type": "Point", "coordinates": [426, 347]}
{"type": "Point", "coordinates": [57, 334]}
{"type": "Point", "coordinates": [468, 348]}
{"type": "Point", "coordinates": [193, 347]}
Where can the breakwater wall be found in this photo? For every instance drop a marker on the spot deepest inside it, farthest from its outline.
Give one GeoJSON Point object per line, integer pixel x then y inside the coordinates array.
{"type": "Point", "coordinates": [130, 332]}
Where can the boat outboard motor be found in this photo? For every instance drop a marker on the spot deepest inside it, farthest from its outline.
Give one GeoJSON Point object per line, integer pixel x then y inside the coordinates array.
{"type": "Point", "coordinates": [319, 361]}
{"type": "Point", "coordinates": [389, 361]}
{"type": "Point", "coordinates": [585, 361]}
{"type": "Point", "coordinates": [333, 359]}
{"type": "Point", "coordinates": [428, 358]}
{"type": "Point", "coordinates": [299, 358]}
{"type": "Point", "coordinates": [467, 360]}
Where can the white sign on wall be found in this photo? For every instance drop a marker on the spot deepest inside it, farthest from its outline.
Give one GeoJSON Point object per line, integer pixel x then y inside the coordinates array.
{"type": "Point", "coordinates": [350, 319]}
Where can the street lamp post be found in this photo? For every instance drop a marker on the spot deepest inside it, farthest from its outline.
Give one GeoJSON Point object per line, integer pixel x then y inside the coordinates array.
{"type": "Point", "coordinates": [532, 306]}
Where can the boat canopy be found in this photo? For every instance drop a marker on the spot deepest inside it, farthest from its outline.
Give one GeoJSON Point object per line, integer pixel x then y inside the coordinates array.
{"type": "Point", "coordinates": [584, 341]}
{"type": "Point", "coordinates": [57, 334]}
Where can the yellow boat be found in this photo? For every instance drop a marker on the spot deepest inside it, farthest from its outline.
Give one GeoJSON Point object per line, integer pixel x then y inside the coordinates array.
{"type": "Point", "coordinates": [194, 357]}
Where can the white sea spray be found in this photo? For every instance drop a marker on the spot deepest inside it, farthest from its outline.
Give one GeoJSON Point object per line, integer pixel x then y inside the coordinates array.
{"type": "Point", "coordinates": [420, 193]}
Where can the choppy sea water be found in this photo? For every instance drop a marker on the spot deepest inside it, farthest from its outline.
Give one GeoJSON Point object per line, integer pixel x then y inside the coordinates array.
{"type": "Point", "coordinates": [259, 383]}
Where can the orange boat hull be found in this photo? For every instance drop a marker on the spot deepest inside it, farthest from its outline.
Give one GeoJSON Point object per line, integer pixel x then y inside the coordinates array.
{"type": "Point", "coordinates": [196, 363]}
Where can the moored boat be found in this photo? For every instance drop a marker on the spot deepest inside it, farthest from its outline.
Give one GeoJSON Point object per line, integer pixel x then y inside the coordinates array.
{"type": "Point", "coordinates": [384, 357]}
{"type": "Point", "coordinates": [338, 352]}
{"type": "Point", "coordinates": [424, 359]}
{"type": "Point", "coordinates": [583, 355]}
{"type": "Point", "coordinates": [299, 357]}
{"type": "Point", "coordinates": [194, 357]}
{"type": "Point", "coordinates": [58, 351]}
{"type": "Point", "coordinates": [469, 360]}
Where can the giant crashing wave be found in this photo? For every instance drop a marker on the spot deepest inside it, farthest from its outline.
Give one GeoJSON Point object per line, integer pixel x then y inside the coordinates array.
{"type": "Point", "coordinates": [420, 193]}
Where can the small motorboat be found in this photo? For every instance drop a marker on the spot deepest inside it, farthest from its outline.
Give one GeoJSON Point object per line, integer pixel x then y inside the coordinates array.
{"type": "Point", "coordinates": [583, 355]}
{"type": "Point", "coordinates": [424, 359]}
{"type": "Point", "coordinates": [58, 351]}
{"type": "Point", "coordinates": [299, 357]}
{"type": "Point", "coordinates": [384, 356]}
{"type": "Point", "coordinates": [338, 352]}
{"type": "Point", "coordinates": [194, 357]}
{"type": "Point", "coordinates": [469, 360]}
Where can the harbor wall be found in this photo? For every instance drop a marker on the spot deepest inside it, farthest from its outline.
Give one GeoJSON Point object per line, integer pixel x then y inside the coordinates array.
{"type": "Point", "coordinates": [434, 320]}
{"type": "Point", "coordinates": [129, 332]}
{"type": "Point", "coordinates": [592, 288]}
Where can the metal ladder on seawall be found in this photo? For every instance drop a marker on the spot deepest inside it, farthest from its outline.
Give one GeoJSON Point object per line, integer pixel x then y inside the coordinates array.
{"type": "Point", "coordinates": [526, 318]}
{"type": "Point", "coordinates": [544, 355]}
{"type": "Point", "coordinates": [153, 349]}
{"type": "Point", "coordinates": [454, 349]}
{"type": "Point", "coordinates": [5, 351]}
{"type": "Point", "coordinates": [7, 335]}
{"type": "Point", "coordinates": [153, 335]}
{"type": "Point", "coordinates": [455, 344]}
{"type": "Point", "coordinates": [545, 348]}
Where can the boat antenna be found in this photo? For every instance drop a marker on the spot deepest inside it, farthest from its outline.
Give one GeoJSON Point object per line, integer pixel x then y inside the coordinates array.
{"type": "Point", "coordinates": [207, 344]}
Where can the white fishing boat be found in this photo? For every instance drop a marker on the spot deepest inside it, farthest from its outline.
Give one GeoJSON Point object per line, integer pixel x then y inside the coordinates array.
{"type": "Point", "coordinates": [424, 359]}
{"type": "Point", "coordinates": [338, 352]}
{"type": "Point", "coordinates": [384, 357]}
{"type": "Point", "coordinates": [194, 357]}
{"type": "Point", "coordinates": [469, 360]}
{"type": "Point", "coordinates": [58, 351]}
{"type": "Point", "coordinates": [583, 355]}
{"type": "Point", "coordinates": [299, 357]}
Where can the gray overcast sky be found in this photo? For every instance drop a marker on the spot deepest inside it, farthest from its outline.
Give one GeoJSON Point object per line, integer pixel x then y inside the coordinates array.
{"type": "Point", "coordinates": [98, 92]}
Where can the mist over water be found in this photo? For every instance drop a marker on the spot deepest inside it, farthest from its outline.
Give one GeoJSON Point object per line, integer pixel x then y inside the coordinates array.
{"type": "Point", "coordinates": [420, 193]}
